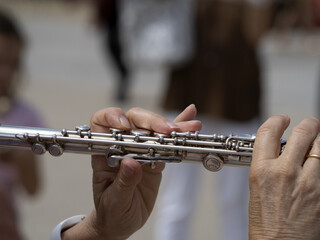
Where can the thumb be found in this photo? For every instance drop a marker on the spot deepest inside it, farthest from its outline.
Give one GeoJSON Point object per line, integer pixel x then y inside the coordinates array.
{"type": "Point", "coordinates": [125, 183]}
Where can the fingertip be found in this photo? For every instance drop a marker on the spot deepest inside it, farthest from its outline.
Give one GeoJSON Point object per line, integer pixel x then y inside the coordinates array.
{"type": "Point", "coordinates": [314, 118]}
{"type": "Point", "coordinates": [124, 122]}
{"type": "Point", "coordinates": [130, 168]}
{"type": "Point", "coordinates": [280, 121]}
{"type": "Point", "coordinates": [188, 113]}
{"type": "Point", "coordinates": [193, 110]}
{"type": "Point", "coordinates": [286, 118]}
{"type": "Point", "coordinates": [267, 143]}
{"type": "Point", "coordinates": [316, 121]}
{"type": "Point", "coordinates": [193, 107]}
{"type": "Point", "coordinates": [172, 126]}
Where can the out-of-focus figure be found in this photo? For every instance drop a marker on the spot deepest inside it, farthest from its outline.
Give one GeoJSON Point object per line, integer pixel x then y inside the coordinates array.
{"type": "Point", "coordinates": [17, 167]}
{"type": "Point", "coordinates": [8, 226]}
{"type": "Point", "coordinates": [292, 18]}
{"type": "Point", "coordinates": [157, 33]}
{"type": "Point", "coordinates": [223, 81]}
{"type": "Point", "coordinates": [315, 11]}
{"type": "Point", "coordinates": [107, 18]}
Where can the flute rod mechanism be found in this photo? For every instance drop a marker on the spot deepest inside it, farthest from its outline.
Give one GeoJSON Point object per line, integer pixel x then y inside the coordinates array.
{"type": "Point", "coordinates": [213, 151]}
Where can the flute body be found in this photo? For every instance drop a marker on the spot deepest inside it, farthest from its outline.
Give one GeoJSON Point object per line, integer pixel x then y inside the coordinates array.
{"type": "Point", "coordinates": [213, 151]}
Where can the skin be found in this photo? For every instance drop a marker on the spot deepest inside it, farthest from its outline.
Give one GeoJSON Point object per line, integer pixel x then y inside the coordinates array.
{"type": "Point", "coordinates": [24, 161]}
{"type": "Point", "coordinates": [124, 197]}
{"type": "Point", "coordinates": [284, 190]}
{"type": "Point", "coordinates": [10, 54]}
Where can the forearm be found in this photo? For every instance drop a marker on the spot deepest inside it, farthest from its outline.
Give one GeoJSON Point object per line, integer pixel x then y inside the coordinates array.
{"type": "Point", "coordinates": [28, 165]}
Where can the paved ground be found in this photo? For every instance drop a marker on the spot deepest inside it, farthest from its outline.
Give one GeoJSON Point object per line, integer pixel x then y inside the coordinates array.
{"type": "Point", "coordinates": [68, 80]}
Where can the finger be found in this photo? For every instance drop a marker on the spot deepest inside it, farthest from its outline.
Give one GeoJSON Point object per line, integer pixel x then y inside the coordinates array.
{"type": "Point", "coordinates": [124, 185]}
{"type": "Point", "coordinates": [312, 164]}
{"type": "Point", "coordinates": [141, 118]}
{"type": "Point", "coordinates": [150, 183]}
{"type": "Point", "coordinates": [189, 113]}
{"type": "Point", "coordinates": [103, 176]}
{"type": "Point", "coordinates": [102, 120]}
{"type": "Point", "coordinates": [300, 140]}
{"type": "Point", "coordinates": [192, 126]}
{"type": "Point", "coordinates": [267, 143]}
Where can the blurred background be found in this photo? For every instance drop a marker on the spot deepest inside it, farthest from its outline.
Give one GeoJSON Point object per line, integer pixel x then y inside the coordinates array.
{"type": "Point", "coordinates": [73, 67]}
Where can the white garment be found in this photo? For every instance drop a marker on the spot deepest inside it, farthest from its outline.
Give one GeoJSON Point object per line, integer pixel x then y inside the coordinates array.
{"type": "Point", "coordinates": [56, 232]}
{"type": "Point", "coordinates": [157, 32]}
{"type": "Point", "coordinates": [177, 200]}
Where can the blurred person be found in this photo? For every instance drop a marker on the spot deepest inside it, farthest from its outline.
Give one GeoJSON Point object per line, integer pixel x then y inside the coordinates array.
{"type": "Point", "coordinates": [157, 33]}
{"type": "Point", "coordinates": [18, 168]}
{"type": "Point", "coordinates": [315, 11]}
{"type": "Point", "coordinates": [291, 14]}
{"type": "Point", "coordinates": [290, 17]}
{"type": "Point", "coordinates": [223, 79]}
{"type": "Point", "coordinates": [284, 190]}
{"type": "Point", "coordinates": [107, 18]}
{"type": "Point", "coordinates": [285, 14]}
{"type": "Point", "coordinates": [8, 227]}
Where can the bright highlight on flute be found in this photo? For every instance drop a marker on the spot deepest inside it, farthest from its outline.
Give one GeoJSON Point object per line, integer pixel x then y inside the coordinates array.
{"type": "Point", "coordinates": [213, 151]}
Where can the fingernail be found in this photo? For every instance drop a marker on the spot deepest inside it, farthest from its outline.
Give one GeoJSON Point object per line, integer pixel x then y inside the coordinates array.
{"type": "Point", "coordinates": [124, 121]}
{"type": "Point", "coordinates": [127, 171]}
{"type": "Point", "coordinates": [172, 125]}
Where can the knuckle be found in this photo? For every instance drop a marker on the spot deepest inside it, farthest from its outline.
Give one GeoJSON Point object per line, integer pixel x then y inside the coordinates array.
{"type": "Point", "coordinates": [256, 173]}
{"type": "Point", "coordinates": [284, 172]}
{"type": "Point", "coordinates": [133, 110]}
{"type": "Point", "coordinates": [307, 185]}
{"type": "Point", "coordinates": [316, 144]}
{"type": "Point", "coordinates": [105, 112]}
{"type": "Point", "coordinates": [272, 125]}
{"type": "Point", "coordinates": [268, 129]}
{"type": "Point", "coordinates": [301, 130]}
{"type": "Point", "coordinates": [123, 184]}
{"type": "Point", "coordinates": [264, 129]}
{"type": "Point", "coordinates": [307, 126]}
{"type": "Point", "coordinates": [315, 122]}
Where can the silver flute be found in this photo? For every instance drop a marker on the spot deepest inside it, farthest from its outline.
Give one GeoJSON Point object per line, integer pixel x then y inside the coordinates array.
{"type": "Point", "coordinates": [213, 151]}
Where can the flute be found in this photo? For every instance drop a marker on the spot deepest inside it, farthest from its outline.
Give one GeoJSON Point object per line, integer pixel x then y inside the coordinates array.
{"type": "Point", "coordinates": [213, 151]}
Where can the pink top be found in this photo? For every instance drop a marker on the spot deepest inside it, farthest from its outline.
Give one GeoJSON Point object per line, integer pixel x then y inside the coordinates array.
{"type": "Point", "coordinates": [21, 114]}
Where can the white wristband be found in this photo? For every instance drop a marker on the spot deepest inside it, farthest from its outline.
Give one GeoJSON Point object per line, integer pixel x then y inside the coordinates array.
{"type": "Point", "coordinates": [56, 232]}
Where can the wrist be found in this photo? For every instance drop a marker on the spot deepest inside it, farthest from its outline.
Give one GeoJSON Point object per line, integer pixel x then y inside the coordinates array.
{"type": "Point", "coordinates": [84, 230]}
{"type": "Point", "coordinates": [273, 234]}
